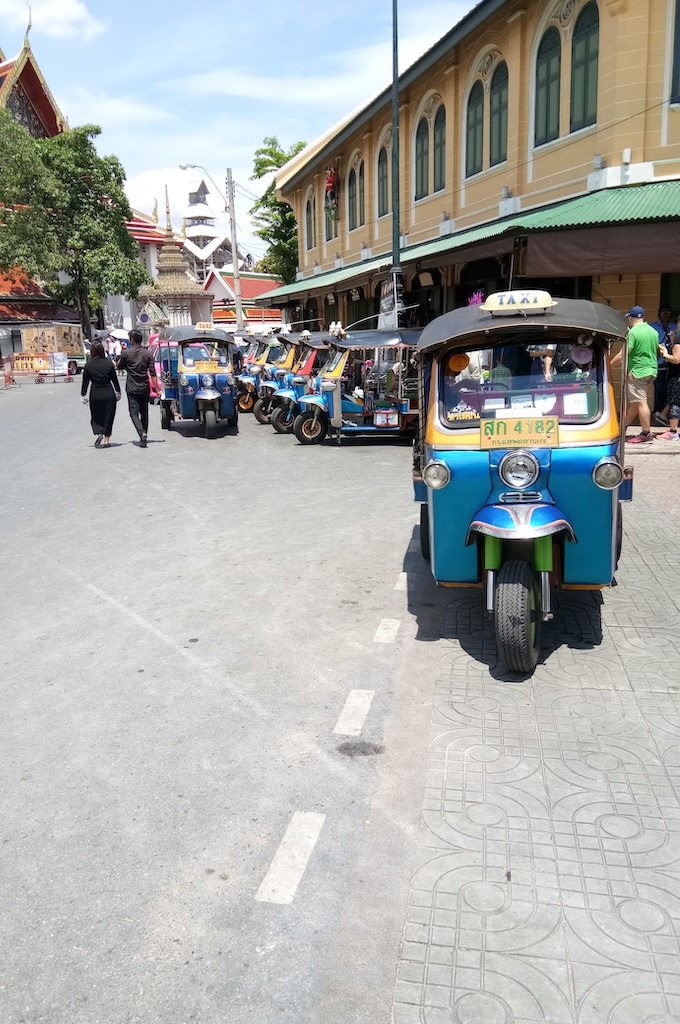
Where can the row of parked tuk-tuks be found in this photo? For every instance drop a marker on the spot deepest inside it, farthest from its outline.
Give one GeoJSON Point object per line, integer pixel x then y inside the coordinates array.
{"type": "Point", "coordinates": [517, 429]}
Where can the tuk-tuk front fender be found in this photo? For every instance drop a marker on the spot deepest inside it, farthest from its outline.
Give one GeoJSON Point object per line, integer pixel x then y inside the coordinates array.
{"type": "Point", "coordinates": [207, 395]}
{"type": "Point", "coordinates": [520, 522]}
{"type": "Point", "coordinates": [285, 395]}
{"type": "Point", "coordinates": [313, 401]}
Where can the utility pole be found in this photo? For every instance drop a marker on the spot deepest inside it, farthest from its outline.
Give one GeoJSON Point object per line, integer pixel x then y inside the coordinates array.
{"type": "Point", "coordinates": [234, 252]}
{"type": "Point", "coordinates": [396, 212]}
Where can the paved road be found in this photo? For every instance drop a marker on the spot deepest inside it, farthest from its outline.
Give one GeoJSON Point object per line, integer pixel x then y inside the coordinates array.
{"type": "Point", "coordinates": [181, 629]}
{"type": "Point", "coordinates": [262, 778]}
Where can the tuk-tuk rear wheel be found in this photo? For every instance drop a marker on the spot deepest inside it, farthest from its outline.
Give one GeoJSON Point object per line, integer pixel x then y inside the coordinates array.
{"type": "Point", "coordinates": [246, 401]}
{"type": "Point", "coordinates": [517, 612]}
{"type": "Point", "coordinates": [309, 429]}
{"type": "Point", "coordinates": [282, 420]}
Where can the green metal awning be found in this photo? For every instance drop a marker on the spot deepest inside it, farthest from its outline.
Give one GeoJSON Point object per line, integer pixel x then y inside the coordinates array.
{"type": "Point", "coordinates": [631, 204]}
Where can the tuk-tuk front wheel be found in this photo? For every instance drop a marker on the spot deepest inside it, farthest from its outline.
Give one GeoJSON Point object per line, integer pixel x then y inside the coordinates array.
{"type": "Point", "coordinates": [282, 420]}
{"type": "Point", "coordinates": [310, 429]}
{"type": "Point", "coordinates": [246, 401]}
{"type": "Point", "coordinates": [262, 410]}
{"type": "Point", "coordinates": [210, 423]}
{"type": "Point", "coordinates": [425, 532]}
{"type": "Point", "coordinates": [517, 611]}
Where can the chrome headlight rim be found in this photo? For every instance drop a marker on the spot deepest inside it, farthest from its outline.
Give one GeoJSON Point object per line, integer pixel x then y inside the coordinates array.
{"type": "Point", "coordinates": [183, 380]}
{"type": "Point", "coordinates": [436, 474]}
{"type": "Point", "coordinates": [207, 380]}
{"type": "Point", "coordinates": [609, 460]}
{"type": "Point", "coordinates": [504, 470]}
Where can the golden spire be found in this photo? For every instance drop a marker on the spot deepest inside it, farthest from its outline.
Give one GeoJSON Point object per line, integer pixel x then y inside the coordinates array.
{"type": "Point", "coordinates": [29, 27]}
{"type": "Point", "coordinates": [168, 224]}
{"type": "Point", "coordinates": [154, 215]}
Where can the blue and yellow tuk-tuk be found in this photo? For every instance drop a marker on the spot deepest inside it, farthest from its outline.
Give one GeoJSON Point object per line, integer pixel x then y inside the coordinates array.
{"type": "Point", "coordinates": [519, 460]}
{"type": "Point", "coordinates": [197, 377]}
{"type": "Point", "coordinates": [300, 381]}
{"type": "Point", "coordinates": [270, 380]}
{"type": "Point", "coordinates": [256, 369]}
{"type": "Point", "coordinates": [368, 386]}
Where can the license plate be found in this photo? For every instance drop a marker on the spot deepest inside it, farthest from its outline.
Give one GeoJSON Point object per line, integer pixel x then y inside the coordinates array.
{"type": "Point", "coordinates": [531, 432]}
{"type": "Point", "coordinates": [386, 419]}
{"type": "Point", "coordinates": [203, 366]}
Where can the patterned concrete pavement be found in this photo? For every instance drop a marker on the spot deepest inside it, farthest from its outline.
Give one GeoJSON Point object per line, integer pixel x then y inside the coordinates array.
{"type": "Point", "coordinates": [547, 886]}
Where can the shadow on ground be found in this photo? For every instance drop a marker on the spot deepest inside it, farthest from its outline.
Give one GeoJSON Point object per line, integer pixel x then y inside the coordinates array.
{"type": "Point", "coordinates": [459, 614]}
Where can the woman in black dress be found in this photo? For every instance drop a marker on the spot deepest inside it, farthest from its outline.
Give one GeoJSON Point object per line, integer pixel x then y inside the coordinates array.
{"type": "Point", "coordinates": [100, 375]}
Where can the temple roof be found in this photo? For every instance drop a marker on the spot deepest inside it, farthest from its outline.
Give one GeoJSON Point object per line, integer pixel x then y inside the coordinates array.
{"type": "Point", "coordinates": [221, 284]}
{"type": "Point", "coordinates": [145, 230]}
{"type": "Point", "coordinates": [22, 75]}
{"type": "Point", "coordinates": [173, 279]}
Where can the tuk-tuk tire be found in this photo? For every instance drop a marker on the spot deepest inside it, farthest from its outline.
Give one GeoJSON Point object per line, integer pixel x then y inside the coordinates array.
{"type": "Point", "coordinates": [517, 607]}
{"type": "Point", "coordinates": [166, 417]}
{"type": "Point", "coordinates": [210, 423]}
{"type": "Point", "coordinates": [425, 532]}
{"type": "Point", "coordinates": [282, 420]}
{"type": "Point", "coordinates": [303, 434]}
{"type": "Point", "coordinates": [619, 534]}
{"type": "Point", "coordinates": [260, 411]}
{"type": "Point", "coordinates": [246, 401]}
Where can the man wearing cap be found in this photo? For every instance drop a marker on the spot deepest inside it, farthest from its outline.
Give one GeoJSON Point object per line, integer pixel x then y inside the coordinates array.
{"type": "Point", "coordinates": [643, 343]}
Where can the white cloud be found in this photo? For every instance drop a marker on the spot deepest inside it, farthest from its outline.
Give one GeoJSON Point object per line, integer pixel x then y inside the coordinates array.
{"type": "Point", "coordinates": [87, 106]}
{"type": "Point", "coordinates": [62, 19]}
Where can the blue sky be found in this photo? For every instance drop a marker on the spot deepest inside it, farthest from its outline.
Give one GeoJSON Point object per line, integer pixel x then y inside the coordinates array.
{"type": "Point", "coordinates": [173, 82]}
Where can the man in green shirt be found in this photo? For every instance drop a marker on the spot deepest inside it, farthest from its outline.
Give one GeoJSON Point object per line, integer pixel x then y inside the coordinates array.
{"type": "Point", "coordinates": [643, 344]}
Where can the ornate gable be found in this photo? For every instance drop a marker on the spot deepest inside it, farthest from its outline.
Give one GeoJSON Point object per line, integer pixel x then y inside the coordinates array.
{"type": "Point", "coordinates": [24, 92]}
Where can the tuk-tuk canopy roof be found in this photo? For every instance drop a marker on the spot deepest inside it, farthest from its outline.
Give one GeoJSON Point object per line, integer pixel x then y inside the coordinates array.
{"type": "Point", "coordinates": [315, 339]}
{"type": "Point", "coordinates": [193, 333]}
{"type": "Point", "coordinates": [380, 338]}
{"type": "Point", "coordinates": [577, 314]}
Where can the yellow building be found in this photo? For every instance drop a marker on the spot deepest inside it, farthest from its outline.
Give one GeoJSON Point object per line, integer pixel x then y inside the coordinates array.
{"type": "Point", "coordinates": [539, 142]}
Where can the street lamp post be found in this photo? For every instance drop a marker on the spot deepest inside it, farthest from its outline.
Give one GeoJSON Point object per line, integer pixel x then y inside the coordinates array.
{"type": "Point", "coordinates": [231, 210]}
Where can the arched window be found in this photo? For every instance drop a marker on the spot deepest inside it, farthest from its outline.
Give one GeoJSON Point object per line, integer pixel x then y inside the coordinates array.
{"type": "Point", "coordinates": [310, 222]}
{"type": "Point", "coordinates": [474, 137]}
{"type": "Point", "coordinates": [352, 200]}
{"type": "Point", "coordinates": [584, 59]}
{"type": "Point", "coordinates": [422, 158]}
{"type": "Point", "coordinates": [498, 134]}
{"type": "Point", "coordinates": [547, 111]}
{"type": "Point", "coordinates": [440, 149]}
{"type": "Point", "coordinates": [362, 194]}
{"type": "Point", "coordinates": [383, 183]}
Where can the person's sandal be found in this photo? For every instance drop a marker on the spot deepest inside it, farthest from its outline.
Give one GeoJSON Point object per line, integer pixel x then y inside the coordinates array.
{"type": "Point", "coordinates": [98, 440]}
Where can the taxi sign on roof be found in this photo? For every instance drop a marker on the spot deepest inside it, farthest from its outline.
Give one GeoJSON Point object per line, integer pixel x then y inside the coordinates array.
{"type": "Point", "coordinates": [204, 327]}
{"type": "Point", "coordinates": [520, 301]}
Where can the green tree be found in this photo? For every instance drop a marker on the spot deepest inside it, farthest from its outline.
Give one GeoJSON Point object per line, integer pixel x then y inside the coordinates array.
{"type": "Point", "coordinates": [275, 221]}
{"type": "Point", "coordinates": [29, 192]}
{"type": "Point", "coordinates": [96, 250]}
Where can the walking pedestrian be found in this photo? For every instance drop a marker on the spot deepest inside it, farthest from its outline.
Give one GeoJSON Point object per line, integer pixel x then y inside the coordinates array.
{"type": "Point", "coordinates": [139, 366]}
{"type": "Point", "coordinates": [672, 360]}
{"type": "Point", "coordinates": [643, 344]}
{"type": "Point", "coordinates": [665, 327]}
{"type": "Point", "coordinates": [99, 374]}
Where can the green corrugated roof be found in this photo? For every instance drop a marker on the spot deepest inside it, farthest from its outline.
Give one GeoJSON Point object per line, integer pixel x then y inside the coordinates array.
{"type": "Point", "coordinates": [657, 201]}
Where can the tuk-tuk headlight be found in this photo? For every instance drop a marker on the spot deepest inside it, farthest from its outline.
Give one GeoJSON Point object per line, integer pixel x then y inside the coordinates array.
{"type": "Point", "coordinates": [183, 379]}
{"type": "Point", "coordinates": [230, 380]}
{"type": "Point", "coordinates": [519, 469]}
{"type": "Point", "coordinates": [608, 474]}
{"type": "Point", "coordinates": [298, 381]}
{"type": "Point", "coordinates": [207, 381]}
{"type": "Point", "coordinates": [436, 475]}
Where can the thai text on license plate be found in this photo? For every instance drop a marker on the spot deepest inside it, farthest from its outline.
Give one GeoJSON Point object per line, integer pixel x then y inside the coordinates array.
{"type": "Point", "coordinates": [531, 432]}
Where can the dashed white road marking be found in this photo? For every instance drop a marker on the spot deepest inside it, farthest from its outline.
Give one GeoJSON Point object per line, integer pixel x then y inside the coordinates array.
{"type": "Point", "coordinates": [387, 631]}
{"type": "Point", "coordinates": [402, 581]}
{"type": "Point", "coordinates": [353, 715]}
{"type": "Point", "coordinates": [280, 883]}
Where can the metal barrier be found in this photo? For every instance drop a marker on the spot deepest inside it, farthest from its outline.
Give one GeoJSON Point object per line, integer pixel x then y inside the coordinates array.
{"type": "Point", "coordinates": [39, 366]}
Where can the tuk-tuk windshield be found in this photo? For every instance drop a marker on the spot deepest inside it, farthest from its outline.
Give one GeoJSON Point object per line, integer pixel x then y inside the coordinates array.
{"type": "Point", "coordinates": [204, 352]}
{"type": "Point", "coordinates": [552, 377]}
